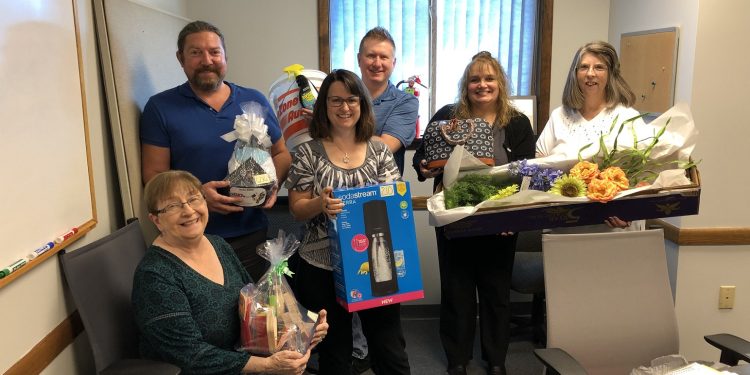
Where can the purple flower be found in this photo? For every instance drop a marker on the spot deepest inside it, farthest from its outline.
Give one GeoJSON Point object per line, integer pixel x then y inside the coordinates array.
{"type": "Point", "coordinates": [541, 178]}
{"type": "Point", "coordinates": [522, 168]}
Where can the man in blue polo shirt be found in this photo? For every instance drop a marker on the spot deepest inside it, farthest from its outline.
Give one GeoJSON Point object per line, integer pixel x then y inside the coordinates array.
{"type": "Point", "coordinates": [181, 128]}
{"type": "Point", "coordinates": [395, 111]}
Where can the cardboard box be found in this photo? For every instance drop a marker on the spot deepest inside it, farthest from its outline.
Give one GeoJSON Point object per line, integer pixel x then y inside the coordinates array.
{"type": "Point", "coordinates": [648, 204]}
{"type": "Point", "coordinates": [374, 247]}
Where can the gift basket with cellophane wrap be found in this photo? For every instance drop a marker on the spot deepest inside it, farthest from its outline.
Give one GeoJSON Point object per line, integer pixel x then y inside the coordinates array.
{"type": "Point", "coordinates": [271, 318]}
{"type": "Point", "coordinates": [252, 175]}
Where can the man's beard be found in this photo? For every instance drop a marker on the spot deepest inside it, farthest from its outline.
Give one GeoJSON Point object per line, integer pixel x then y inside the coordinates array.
{"type": "Point", "coordinates": [207, 83]}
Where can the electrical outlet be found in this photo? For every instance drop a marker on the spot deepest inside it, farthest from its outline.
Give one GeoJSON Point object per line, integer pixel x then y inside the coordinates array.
{"type": "Point", "coordinates": [726, 296]}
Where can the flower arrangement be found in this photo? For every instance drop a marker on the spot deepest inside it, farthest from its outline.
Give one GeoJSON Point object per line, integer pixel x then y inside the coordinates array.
{"type": "Point", "coordinates": [630, 158]}
{"type": "Point", "coordinates": [584, 180]}
{"type": "Point", "coordinates": [608, 172]}
{"type": "Point", "coordinates": [635, 161]}
{"type": "Point", "coordinates": [601, 186]}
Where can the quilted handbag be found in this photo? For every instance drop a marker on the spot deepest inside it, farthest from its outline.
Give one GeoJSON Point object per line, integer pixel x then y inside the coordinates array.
{"type": "Point", "coordinates": [440, 137]}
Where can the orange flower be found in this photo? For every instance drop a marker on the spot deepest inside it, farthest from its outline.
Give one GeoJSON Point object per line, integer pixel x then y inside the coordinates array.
{"type": "Point", "coordinates": [585, 170]}
{"type": "Point", "coordinates": [602, 190]}
{"type": "Point", "coordinates": [617, 176]}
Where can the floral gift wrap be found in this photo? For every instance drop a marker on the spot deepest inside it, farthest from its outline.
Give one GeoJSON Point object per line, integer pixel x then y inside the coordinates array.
{"type": "Point", "coordinates": [636, 171]}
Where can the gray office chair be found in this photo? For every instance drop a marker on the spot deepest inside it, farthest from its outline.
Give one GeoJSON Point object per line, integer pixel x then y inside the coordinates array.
{"type": "Point", "coordinates": [609, 304]}
{"type": "Point", "coordinates": [100, 278]}
{"type": "Point", "coordinates": [528, 278]}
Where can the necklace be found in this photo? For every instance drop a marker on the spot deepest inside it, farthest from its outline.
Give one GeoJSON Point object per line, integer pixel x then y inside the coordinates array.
{"type": "Point", "coordinates": [345, 159]}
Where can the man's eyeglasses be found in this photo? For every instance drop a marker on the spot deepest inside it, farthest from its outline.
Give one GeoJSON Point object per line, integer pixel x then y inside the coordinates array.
{"type": "Point", "coordinates": [194, 202]}
{"type": "Point", "coordinates": [337, 101]}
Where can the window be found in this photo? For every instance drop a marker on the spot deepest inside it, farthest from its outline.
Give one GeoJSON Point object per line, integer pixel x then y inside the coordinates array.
{"type": "Point", "coordinates": [438, 51]}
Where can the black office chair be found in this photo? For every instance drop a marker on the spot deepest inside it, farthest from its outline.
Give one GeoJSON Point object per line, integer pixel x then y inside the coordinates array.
{"type": "Point", "coordinates": [528, 278]}
{"type": "Point", "coordinates": [100, 278]}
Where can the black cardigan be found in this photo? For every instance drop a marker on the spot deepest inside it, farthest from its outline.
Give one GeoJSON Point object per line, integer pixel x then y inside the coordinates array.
{"type": "Point", "coordinates": [519, 144]}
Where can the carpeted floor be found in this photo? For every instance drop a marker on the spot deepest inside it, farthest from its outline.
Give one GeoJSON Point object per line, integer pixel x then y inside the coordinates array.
{"type": "Point", "coordinates": [426, 355]}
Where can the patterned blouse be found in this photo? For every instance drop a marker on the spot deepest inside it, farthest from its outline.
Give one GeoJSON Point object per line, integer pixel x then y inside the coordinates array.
{"type": "Point", "coordinates": [312, 170]}
{"type": "Point", "coordinates": [567, 131]}
{"type": "Point", "coordinates": [186, 319]}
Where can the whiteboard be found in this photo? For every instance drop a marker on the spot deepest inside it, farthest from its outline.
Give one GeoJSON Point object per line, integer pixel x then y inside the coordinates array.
{"type": "Point", "coordinates": [46, 184]}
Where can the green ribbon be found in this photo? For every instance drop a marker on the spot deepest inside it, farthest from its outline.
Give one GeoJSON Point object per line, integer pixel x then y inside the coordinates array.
{"type": "Point", "coordinates": [281, 269]}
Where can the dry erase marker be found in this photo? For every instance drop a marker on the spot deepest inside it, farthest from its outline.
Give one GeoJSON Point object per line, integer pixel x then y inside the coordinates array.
{"type": "Point", "coordinates": [12, 268]}
{"type": "Point", "coordinates": [67, 235]}
{"type": "Point", "coordinates": [40, 250]}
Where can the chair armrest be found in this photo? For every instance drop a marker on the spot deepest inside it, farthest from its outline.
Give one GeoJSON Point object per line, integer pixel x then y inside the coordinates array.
{"type": "Point", "coordinates": [732, 348]}
{"type": "Point", "coordinates": [558, 361]}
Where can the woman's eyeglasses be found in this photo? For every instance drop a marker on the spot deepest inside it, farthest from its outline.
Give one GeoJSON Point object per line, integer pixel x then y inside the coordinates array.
{"type": "Point", "coordinates": [337, 101]}
{"type": "Point", "coordinates": [194, 202]}
{"type": "Point", "coordinates": [599, 68]}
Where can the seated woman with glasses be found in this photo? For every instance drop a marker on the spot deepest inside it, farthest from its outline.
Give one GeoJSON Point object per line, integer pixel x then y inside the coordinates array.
{"type": "Point", "coordinates": [186, 289]}
{"type": "Point", "coordinates": [341, 154]}
{"type": "Point", "coordinates": [594, 95]}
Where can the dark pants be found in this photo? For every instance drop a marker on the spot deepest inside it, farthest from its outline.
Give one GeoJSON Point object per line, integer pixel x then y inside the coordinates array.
{"type": "Point", "coordinates": [246, 249]}
{"type": "Point", "coordinates": [469, 267]}
{"type": "Point", "coordinates": [381, 326]}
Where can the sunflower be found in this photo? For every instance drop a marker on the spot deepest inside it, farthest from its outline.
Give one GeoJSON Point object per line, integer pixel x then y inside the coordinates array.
{"type": "Point", "coordinates": [569, 186]}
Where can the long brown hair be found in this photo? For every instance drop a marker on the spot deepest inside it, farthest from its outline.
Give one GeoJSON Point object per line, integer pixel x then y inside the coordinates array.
{"type": "Point", "coordinates": [503, 108]}
{"type": "Point", "coordinates": [320, 128]}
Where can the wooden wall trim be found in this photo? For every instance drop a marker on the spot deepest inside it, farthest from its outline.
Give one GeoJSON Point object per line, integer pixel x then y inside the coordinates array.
{"type": "Point", "coordinates": [324, 48]}
{"type": "Point", "coordinates": [44, 352]}
{"type": "Point", "coordinates": [419, 203]}
{"type": "Point", "coordinates": [544, 64]}
{"type": "Point", "coordinates": [718, 236]}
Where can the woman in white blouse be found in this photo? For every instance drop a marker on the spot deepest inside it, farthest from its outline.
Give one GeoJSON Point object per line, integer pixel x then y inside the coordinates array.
{"type": "Point", "coordinates": [595, 93]}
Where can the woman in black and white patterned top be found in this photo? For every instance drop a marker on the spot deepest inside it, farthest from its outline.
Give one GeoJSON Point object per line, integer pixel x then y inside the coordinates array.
{"type": "Point", "coordinates": [341, 154]}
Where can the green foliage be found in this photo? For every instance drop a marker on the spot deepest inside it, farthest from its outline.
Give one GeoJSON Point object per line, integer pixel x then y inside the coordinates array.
{"type": "Point", "coordinates": [470, 190]}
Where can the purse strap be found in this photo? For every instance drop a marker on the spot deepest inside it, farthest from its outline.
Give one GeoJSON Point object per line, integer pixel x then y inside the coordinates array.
{"type": "Point", "coordinates": [452, 127]}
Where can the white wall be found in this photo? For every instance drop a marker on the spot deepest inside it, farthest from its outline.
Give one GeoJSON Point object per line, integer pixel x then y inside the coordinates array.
{"type": "Point", "coordinates": [37, 302]}
{"type": "Point", "coordinates": [263, 37]}
{"type": "Point", "coordinates": [575, 23]}
{"type": "Point", "coordinates": [710, 76]}
{"type": "Point", "coordinates": [639, 15]}
{"type": "Point", "coordinates": [719, 96]}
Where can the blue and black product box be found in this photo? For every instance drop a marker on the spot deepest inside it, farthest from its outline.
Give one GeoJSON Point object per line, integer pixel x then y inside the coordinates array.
{"type": "Point", "coordinates": [374, 247]}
